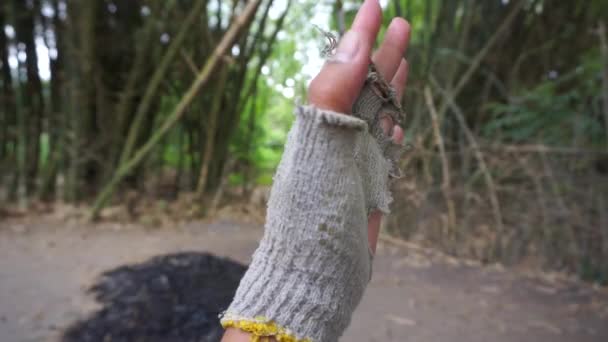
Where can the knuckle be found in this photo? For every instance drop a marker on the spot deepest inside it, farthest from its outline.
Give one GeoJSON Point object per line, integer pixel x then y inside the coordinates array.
{"type": "Point", "coordinates": [328, 96]}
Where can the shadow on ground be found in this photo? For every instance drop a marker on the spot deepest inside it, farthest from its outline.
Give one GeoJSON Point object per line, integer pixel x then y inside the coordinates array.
{"type": "Point", "coordinates": [175, 297]}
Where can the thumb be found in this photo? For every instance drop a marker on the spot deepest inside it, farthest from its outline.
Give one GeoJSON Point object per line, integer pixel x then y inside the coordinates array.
{"type": "Point", "coordinates": [339, 82]}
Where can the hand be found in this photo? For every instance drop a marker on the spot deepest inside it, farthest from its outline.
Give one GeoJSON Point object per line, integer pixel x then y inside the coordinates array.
{"type": "Point", "coordinates": [339, 82]}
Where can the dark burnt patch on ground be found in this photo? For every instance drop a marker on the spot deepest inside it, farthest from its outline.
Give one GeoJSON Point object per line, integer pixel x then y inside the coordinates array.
{"type": "Point", "coordinates": [175, 297]}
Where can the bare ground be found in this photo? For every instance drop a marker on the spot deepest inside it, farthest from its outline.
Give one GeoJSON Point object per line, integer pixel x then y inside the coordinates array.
{"type": "Point", "coordinates": [415, 294]}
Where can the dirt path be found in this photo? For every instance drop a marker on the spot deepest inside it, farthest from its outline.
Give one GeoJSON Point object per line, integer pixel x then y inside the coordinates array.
{"type": "Point", "coordinates": [414, 296]}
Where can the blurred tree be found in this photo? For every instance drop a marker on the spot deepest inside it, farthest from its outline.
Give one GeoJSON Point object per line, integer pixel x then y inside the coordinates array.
{"type": "Point", "coordinates": [6, 95]}
{"type": "Point", "coordinates": [26, 14]}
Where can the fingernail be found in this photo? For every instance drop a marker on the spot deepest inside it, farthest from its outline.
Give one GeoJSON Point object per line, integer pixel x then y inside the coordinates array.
{"type": "Point", "coordinates": [348, 48]}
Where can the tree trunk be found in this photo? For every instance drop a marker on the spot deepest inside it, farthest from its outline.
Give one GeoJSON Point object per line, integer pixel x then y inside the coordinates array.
{"type": "Point", "coordinates": [87, 22]}
{"type": "Point", "coordinates": [211, 126]}
{"type": "Point", "coordinates": [33, 99]}
{"type": "Point", "coordinates": [128, 97]}
{"type": "Point", "coordinates": [6, 94]}
{"type": "Point", "coordinates": [157, 78]}
{"type": "Point", "coordinates": [56, 122]}
{"type": "Point", "coordinates": [604, 51]}
{"type": "Point", "coordinates": [248, 173]}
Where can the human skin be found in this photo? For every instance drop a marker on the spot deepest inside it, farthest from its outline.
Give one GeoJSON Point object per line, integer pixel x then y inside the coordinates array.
{"type": "Point", "coordinates": [339, 82]}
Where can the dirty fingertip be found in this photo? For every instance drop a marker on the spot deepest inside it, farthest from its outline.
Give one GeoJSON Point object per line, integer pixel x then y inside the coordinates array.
{"type": "Point", "coordinates": [398, 135]}
{"type": "Point", "coordinates": [386, 123]}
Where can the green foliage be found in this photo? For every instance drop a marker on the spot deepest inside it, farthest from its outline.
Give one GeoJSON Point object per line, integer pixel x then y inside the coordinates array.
{"type": "Point", "coordinates": [272, 102]}
{"type": "Point", "coordinates": [556, 111]}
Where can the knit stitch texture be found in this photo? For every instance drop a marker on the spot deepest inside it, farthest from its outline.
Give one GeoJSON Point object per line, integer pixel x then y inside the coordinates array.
{"type": "Point", "coordinates": [313, 262]}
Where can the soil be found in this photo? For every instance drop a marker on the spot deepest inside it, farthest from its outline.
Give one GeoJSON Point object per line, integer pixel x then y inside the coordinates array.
{"type": "Point", "coordinates": [48, 268]}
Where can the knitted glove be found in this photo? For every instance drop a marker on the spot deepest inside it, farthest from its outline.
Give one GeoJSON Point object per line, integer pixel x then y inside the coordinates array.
{"type": "Point", "coordinates": [313, 263]}
{"type": "Point", "coordinates": [376, 154]}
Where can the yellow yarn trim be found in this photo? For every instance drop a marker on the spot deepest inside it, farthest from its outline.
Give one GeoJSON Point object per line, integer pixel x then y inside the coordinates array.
{"type": "Point", "coordinates": [260, 327]}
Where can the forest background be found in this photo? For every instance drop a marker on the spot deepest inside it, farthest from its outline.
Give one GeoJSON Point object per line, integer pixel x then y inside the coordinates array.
{"type": "Point", "coordinates": [135, 103]}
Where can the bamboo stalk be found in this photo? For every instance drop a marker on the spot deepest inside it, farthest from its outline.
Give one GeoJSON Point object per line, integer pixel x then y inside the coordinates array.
{"type": "Point", "coordinates": [479, 156]}
{"type": "Point", "coordinates": [189, 62]}
{"type": "Point", "coordinates": [210, 132]}
{"type": "Point", "coordinates": [446, 187]}
{"type": "Point", "coordinates": [157, 79]}
{"type": "Point", "coordinates": [604, 48]}
{"type": "Point", "coordinates": [476, 62]}
{"type": "Point", "coordinates": [123, 107]}
{"type": "Point", "coordinates": [263, 57]}
{"type": "Point", "coordinates": [248, 50]}
{"type": "Point", "coordinates": [219, 192]}
{"type": "Point", "coordinates": [203, 77]}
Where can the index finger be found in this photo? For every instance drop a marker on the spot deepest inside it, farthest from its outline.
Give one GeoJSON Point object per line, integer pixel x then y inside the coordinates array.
{"type": "Point", "coordinates": [340, 80]}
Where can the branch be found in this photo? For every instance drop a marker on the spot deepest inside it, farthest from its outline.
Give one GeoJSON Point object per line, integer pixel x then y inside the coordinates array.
{"type": "Point", "coordinates": [157, 79]}
{"type": "Point", "coordinates": [263, 57]}
{"type": "Point", "coordinates": [248, 50]}
{"type": "Point", "coordinates": [189, 62]}
{"type": "Point", "coordinates": [203, 77]}
{"type": "Point", "coordinates": [216, 105]}
{"type": "Point", "coordinates": [446, 187]}
{"type": "Point", "coordinates": [476, 62]}
{"type": "Point", "coordinates": [478, 155]}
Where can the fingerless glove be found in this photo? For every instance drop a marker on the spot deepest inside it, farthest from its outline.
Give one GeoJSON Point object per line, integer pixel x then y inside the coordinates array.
{"type": "Point", "coordinates": [313, 262]}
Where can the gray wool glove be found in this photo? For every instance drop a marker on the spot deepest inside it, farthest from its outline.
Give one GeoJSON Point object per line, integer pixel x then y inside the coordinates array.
{"type": "Point", "coordinates": [313, 262]}
{"type": "Point", "coordinates": [376, 154]}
